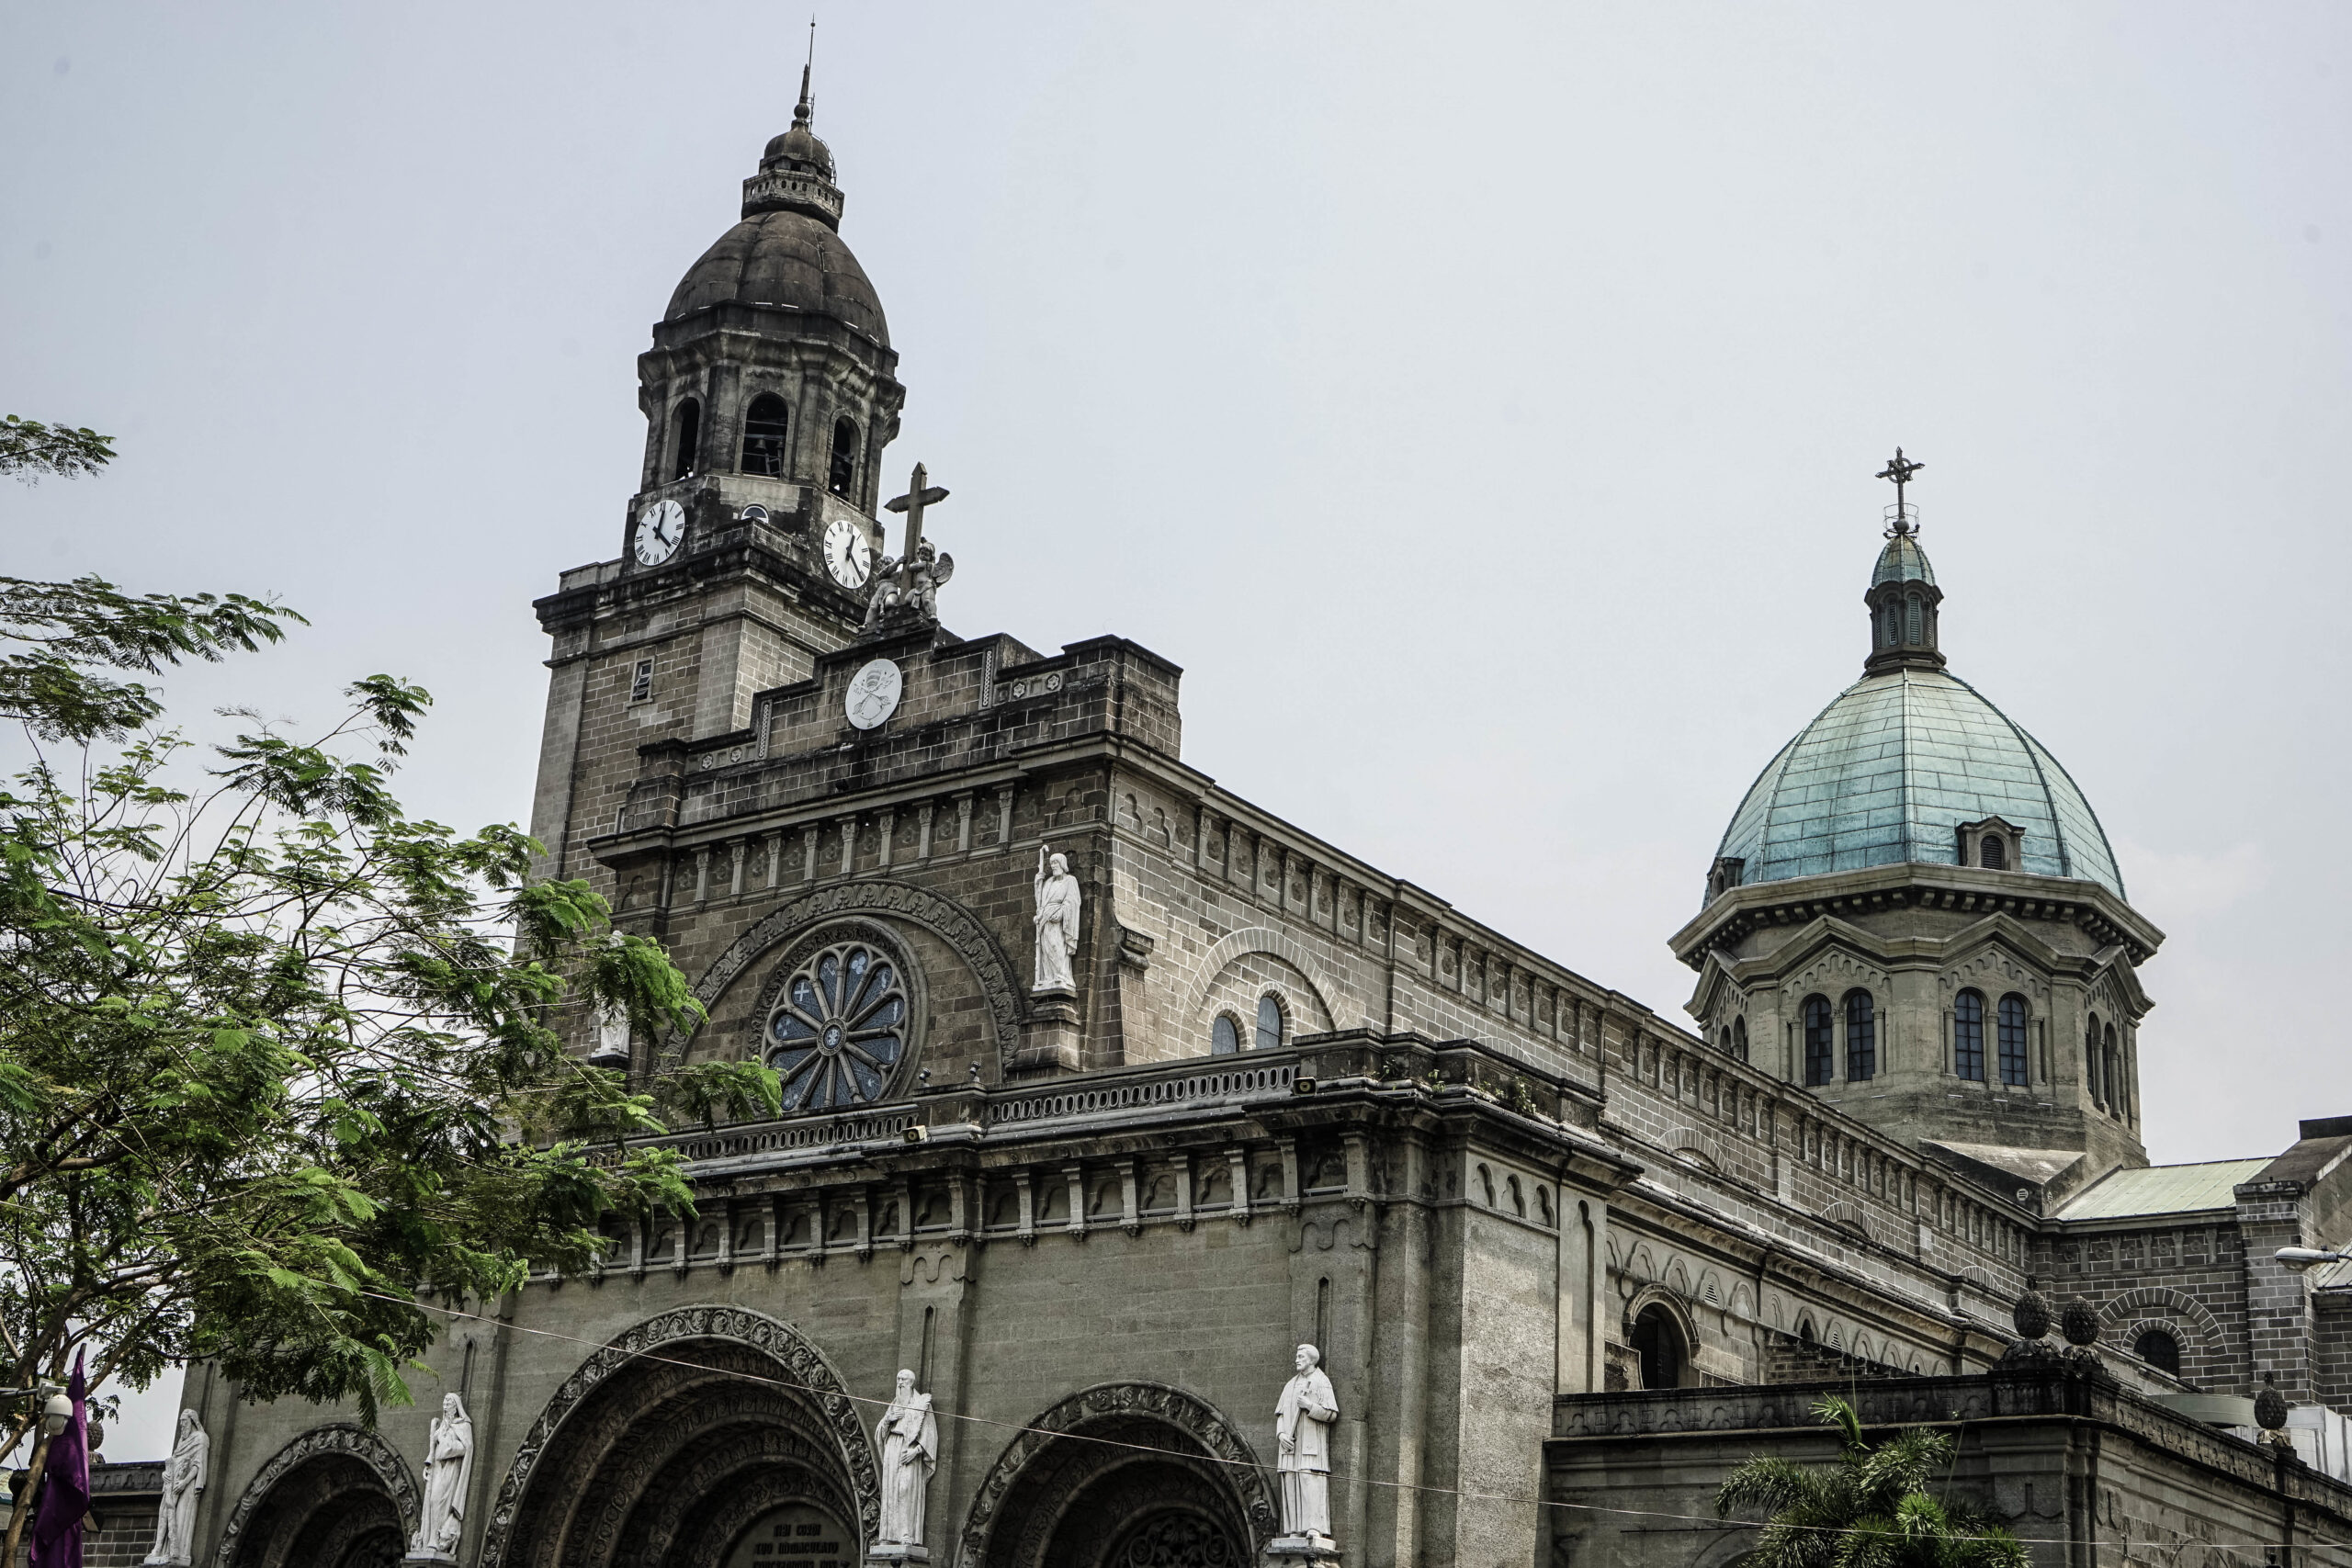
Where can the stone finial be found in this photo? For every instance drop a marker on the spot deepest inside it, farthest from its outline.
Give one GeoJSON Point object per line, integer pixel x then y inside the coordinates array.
{"type": "Point", "coordinates": [2079, 1324]}
{"type": "Point", "coordinates": [2270, 1406]}
{"type": "Point", "coordinates": [2031, 1314]}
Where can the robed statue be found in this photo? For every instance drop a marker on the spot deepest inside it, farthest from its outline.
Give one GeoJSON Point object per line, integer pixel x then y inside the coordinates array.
{"type": "Point", "coordinates": [1303, 1419]}
{"type": "Point", "coordinates": [1057, 921]}
{"type": "Point", "coordinates": [448, 1466]}
{"type": "Point", "coordinates": [184, 1476]}
{"type": "Point", "coordinates": [908, 1435]}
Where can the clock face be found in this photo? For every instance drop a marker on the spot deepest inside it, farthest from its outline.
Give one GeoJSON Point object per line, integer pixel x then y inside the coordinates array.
{"type": "Point", "coordinates": [661, 528]}
{"type": "Point", "coordinates": [847, 554]}
{"type": "Point", "coordinates": [874, 693]}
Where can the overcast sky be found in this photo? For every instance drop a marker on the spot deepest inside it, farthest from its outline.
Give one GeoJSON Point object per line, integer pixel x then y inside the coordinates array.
{"type": "Point", "coordinates": [1480, 403]}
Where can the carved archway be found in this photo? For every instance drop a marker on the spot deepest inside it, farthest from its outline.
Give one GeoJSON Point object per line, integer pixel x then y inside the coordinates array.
{"type": "Point", "coordinates": [1117, 1468]}
{"type": "Point", "coordinates": [337, 1496]}
{"type": "Point", "coordinates": [652, 1446]}
{"type": "Point", "coordinates": [944, 917]}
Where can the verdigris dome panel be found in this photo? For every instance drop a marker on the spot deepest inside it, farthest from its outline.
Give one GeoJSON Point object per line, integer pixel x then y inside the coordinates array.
{"type": "Point", "coordinates": [1890, 770]}
{"type": "Point", "coordinates": [784, 258]}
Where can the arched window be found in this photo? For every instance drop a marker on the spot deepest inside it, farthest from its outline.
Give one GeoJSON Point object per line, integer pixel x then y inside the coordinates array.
{"type": "Point", "coordinates": [1658, 1339]}
{"type": "Point", "coordinates": [1912, 631]}
{"type": "Point", "coordinates": [1739, 1037]}
{"type": "Point", "coordinates": [1861, 1037]}
{"type": "Point", "coordinates": [765, 424]}
{"type": "Point", "coordinates": [686, 439]}
{"type": "Point", "coordinates": [1968, 1035]}
{"type": "Point", "coordinates": [1225, 1036]}
{"type": "Point", "coordinates": [2114, 1076]}
{"type": "Point", "coordinates": [841, 478]}
{"type": "Point", "coordinates": [2013, 1039]}
{"type": "Point", "coordinates": [1993, 853]}
{"type": "Point", "coordinates": [2091, 1055]}
{"type": "Point", "coordinates": [2159, 1350]}
{"type": "Point", "coordinates": [1269, 1023]}
{"type": "Point", "coordinates": [1816, 1041]}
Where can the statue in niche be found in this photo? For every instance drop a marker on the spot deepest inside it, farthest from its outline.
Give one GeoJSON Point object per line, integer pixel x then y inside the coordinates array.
{"type": "Point", "coordinates": [908, 1435]}
{"type": "Point", "coordinates": [1303, 1421]}
{"type": "Point", "coordinates": [184, 1476]}
{"type": "Point", "coordinates": [1056, 922]}
{"type": "Point", "coordinates": [448, 1466]}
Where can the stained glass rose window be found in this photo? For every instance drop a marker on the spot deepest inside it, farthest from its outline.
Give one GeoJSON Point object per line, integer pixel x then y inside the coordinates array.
{"type": "Point", "coordinates": [837, 1036]}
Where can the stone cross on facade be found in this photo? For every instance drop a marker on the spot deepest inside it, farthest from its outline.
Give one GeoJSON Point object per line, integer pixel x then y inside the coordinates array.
{"type": "Point", "coordinates": [919, 496]}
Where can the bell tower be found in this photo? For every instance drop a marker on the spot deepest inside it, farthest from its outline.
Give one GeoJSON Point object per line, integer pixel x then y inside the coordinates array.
{"type": "Point", "coordinates": [769, 393]}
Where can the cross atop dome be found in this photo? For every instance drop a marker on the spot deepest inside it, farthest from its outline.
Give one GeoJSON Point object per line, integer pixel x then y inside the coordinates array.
{"type": "Point", "coordinates": [1901, 519]}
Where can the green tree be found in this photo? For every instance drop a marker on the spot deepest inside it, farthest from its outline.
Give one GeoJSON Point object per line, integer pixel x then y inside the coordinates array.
{"type": "Point", "coordinates": [273, 1055]}
{"type": "Point", "coordinates": [1871, 1509]}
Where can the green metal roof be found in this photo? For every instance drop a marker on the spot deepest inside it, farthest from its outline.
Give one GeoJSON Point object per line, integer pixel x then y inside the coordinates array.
{"type": "Point", "coordinates": [1888, 770]}
{"type": "Point", "coordinates": [2163, 1189]}
{"type": "Point", "coordinates": [1903, 561]}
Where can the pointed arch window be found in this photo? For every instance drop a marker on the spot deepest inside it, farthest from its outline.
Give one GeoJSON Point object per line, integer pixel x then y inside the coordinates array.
{"type": "Point", "coordinates": [1968, 1035]}
{"type": "Point", "coordinates": [1817, 1046]}
{"type": "Point", "coordinates": [1739, 1037]}
{"type": "Point", "coordinates": [840, 474]}
{"type": "Point", "coordinates": [1861, 1037]}
{"type": "Point", "coordinates": [2012, 1039]}
{"type": "Point", "coordinates": [766, 425]}
{"type": "Point", "coordinates": [686, 439]}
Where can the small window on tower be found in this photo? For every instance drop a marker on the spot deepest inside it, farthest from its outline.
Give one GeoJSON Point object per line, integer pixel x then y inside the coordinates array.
{"type": "Point", "coordinates": [1739, 1037]}
{"type": "Point", "coordinates": [1225, 1036]}
{"type": "Point", "coordinates": [1968, 1035]}
{"type": "Point", "coordinates": [686, 439]}
{"type": "Point", "coordinates": [842, 475]}
{"type": "Point", "coordinates": [1912, 612]}
{"type": "Point", "coordinates": [1817, 1050]}
{"type": "Point", "coordinates": [765, 424]}
{"type": "Point", "coordinates": [641, 680]}
{"type": "Point", "coordinates": [1993, 853]}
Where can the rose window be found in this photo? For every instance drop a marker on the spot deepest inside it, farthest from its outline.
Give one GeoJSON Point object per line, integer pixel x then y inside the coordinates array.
{"type": "Point", "coordinates": [837, 1036]}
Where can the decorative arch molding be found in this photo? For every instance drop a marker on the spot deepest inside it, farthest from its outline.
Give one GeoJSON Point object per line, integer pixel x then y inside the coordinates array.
{"type": "Point", "coordinates": [340, 1439]}
{"type": "Point", "coordinates": [803, 1365]}
{"type": "Point", "coordinates": [1193, 1416]}
{"type": "Point", "coordinates": [944, 917]}
{"type": "Point", "coordinates": [2178, 1307]}
{"type": "Point", "coordinates": [1273, 943]}
{"type": "Point", "coordinates": [1847, 1216]}
{"type": "Point", "coordinates": [1675, 1307]}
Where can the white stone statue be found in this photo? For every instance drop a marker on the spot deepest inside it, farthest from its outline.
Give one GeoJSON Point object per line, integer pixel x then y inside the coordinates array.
{"type": "Point", "coordinates": [448, 1466]}
{"type": "Point", "coordinates": [1303, 1419]}
{"type": "Point", "coordinates": [887, 593]}
{"type": "Point", "coordinates": [612, 1031]}
{"type": "Point", "coordinates": [184, 1476]}
{"type": "Point", "coordinates": [926, 574]}
{"type": "Point", "coordinates": [1058, 903]}
{"type": "Point", "coordinates": [908, 1435]}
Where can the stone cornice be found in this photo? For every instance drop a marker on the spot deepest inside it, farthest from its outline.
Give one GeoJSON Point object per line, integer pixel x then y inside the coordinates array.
{"type": "Point", "coordinates": [1915, 884]}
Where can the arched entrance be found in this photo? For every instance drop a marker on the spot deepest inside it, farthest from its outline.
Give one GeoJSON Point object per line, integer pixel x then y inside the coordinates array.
{"type": "Point", "coordinates": [691, 1440]}
{"type": "Point", "coordinates": [1126, 1475]}
{"type": "Point", "coordinates": [334, 1497]}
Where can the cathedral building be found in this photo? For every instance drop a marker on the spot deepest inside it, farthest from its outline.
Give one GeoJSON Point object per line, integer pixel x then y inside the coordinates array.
{"type": "Point", "coordinates": [1106, 1091]}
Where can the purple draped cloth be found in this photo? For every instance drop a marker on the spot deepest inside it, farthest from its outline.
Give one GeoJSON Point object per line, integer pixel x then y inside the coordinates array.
{"type": "Point", "coordinates": [65, 1485]}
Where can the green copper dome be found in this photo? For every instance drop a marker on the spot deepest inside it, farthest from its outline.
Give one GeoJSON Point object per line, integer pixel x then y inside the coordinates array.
{"type": "Point", "coordinates": [1891, 771]}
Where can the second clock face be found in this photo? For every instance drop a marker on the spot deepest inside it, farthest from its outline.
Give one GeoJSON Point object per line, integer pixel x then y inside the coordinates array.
{"type": "Point", "coordinates": [847, 554]}
{"type": "Point", "coordinates": [661, 528]}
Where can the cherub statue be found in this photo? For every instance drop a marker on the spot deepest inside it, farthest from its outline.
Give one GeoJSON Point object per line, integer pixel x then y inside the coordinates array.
{"type": "Point", "coordinates": [887, 593]}
{"type": "Point", "coordinates": [926, 574]}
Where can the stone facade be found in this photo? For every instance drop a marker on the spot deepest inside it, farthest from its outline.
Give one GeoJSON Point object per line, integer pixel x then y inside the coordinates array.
{"type": "Point", "coordinates": [1502, 1198]}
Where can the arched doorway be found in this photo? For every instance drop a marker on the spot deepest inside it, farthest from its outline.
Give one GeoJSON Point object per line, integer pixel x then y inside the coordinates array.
{"type": "Point", "coordinates": [1658, 1340]}
{"type": "Point", "coordinates": [334, 1497]}
{"type": "Point", "coordinates": [1127, 1475]}
{"type": "Point", "coordinates": [693, 1439]}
